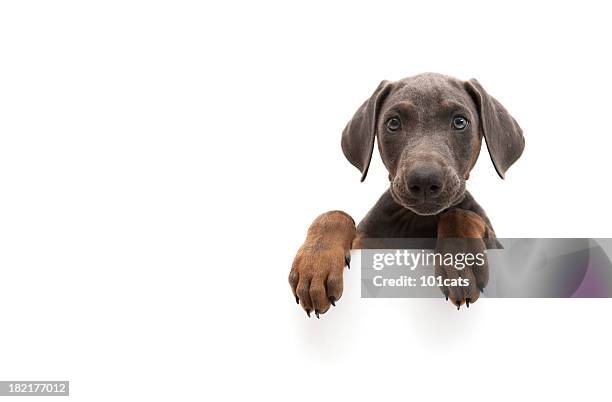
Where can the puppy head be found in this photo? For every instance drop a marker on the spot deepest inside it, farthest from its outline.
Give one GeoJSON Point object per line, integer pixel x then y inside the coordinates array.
{"type": "Point", "coordinates": [430, 129]}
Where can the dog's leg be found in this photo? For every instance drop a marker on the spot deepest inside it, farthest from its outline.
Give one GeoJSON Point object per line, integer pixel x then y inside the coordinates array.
{"type": "Point", "coordinates": [316, 274]}
{"type": "Point", "coordinates": [462, 233]}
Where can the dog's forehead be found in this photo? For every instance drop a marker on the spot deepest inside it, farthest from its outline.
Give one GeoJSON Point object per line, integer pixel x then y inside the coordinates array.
{"type": "Point", "coordinates": [429, 90]}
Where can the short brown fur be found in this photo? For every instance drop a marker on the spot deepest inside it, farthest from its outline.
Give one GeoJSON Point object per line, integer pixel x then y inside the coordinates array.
{"type": "Point", "coordinates": [429, 158]}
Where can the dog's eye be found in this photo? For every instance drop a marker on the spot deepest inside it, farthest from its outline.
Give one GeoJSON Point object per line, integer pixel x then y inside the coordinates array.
{"type": "Point", "coordinates": [460, 122]}
{"type": "Point", "coordinates": [393, 124]}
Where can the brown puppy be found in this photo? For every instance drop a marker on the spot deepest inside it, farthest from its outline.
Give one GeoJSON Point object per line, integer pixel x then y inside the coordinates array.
{"type": "Point", "coordinates": [429, 129]}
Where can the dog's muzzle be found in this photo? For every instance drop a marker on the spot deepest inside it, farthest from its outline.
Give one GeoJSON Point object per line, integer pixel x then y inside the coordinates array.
{"type": "Point", "coordinates": [425, 182]}
{"type": "Point", "coordinates": [427, 187]}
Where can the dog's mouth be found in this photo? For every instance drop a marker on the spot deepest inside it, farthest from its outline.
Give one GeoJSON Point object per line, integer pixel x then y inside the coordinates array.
{"type": "Point", "coordinates": [452, 193]}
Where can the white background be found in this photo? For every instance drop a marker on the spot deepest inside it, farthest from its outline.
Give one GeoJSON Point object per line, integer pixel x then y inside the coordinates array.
{"type": "Point", "coordinates": [160, 163]}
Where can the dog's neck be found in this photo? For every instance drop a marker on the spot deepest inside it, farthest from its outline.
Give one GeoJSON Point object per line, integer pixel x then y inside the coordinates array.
{"type": "Point", "coordinates": [388, 219]}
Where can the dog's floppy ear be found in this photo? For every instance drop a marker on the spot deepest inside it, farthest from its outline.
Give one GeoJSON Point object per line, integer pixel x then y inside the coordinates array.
{"type": "Point", "coordinates": [502, 133]}
{"type": "Point", "coordinates": [359, 134]}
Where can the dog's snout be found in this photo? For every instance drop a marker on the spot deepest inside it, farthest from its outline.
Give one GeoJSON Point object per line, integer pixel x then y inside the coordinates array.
{"type": "Point", "coordinates": [425, 182]}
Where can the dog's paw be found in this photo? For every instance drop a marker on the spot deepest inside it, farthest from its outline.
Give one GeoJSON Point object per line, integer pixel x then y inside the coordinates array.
{"type": "Point", "coordinates": [464, 275]}
{"type": "Point", "coordinates": [316, 277]}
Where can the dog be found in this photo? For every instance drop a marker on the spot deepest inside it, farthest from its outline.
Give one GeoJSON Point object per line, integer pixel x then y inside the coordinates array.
{"type": "Point", "coordinates": [429, 129]}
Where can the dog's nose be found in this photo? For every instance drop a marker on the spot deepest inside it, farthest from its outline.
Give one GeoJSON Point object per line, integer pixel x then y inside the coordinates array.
{"type": "Point", "coordinates": [425, 182]}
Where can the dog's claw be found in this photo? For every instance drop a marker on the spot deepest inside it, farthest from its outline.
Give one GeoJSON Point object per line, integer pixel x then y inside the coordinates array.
{"type": "Point", "coordinates": [347, 261]}
{"type": "Point", "coordinates": [297, 300]}
{"type": "Point", "coordinates": [308, 313]}
{"type": "Point", "coordinates": [317, 314]}
{"type": "Point", "coordinates": [467, 303]}
{"type": "Point", "coordinates": [458, 306]}
{"type": "Point", "coordinates": [446, 297]}
{"type": "Point", "coordinates": [332, 300]}
{"type": "Point", "coordinates": [481, 290]}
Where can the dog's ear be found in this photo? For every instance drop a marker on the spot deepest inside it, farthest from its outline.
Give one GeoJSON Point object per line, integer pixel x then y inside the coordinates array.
{"type": "Point", "coordinates": [502, 133]}
{"type": "Point", "coordinates": [359, 134]}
